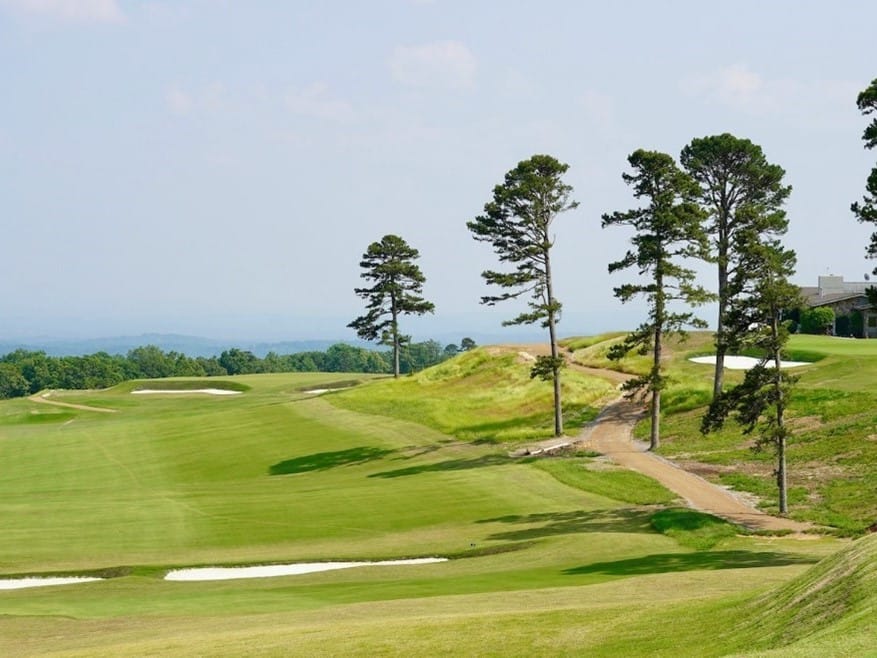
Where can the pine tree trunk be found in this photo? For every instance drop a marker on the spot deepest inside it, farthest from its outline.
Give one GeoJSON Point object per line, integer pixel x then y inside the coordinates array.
{"type": "Point", "coordinates": [721, 346]}
{"type": "Point", "coordinates": [655, 432]}
{"type": "Point", "coordinates": [782, 485]}
{"type": "Point", "coordinates": [395, 328]}
{"type": "Point", "coordinates": [558, 411]}
{"type": "Point", "coordinates": [552, 336]}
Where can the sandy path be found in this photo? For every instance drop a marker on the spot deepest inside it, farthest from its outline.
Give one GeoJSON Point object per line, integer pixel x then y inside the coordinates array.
{"type": "Point", "coordinates": [612, 435]}
{"type": "Point", "coordinates": [43, 398]}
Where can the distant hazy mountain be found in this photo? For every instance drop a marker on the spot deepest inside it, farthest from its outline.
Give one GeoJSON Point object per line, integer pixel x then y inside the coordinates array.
{"type": "Point", "coordinates": [189, 345]}
{"type": "Point", "coordinates": [201, 346]}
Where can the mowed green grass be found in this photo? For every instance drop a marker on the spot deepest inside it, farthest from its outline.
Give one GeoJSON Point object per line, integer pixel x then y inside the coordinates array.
{"type": "Point", "coordinates": [548, 557]}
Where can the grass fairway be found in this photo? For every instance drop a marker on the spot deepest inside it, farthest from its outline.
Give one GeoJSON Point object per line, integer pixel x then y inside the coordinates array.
{"type": "Point", "coordinates": [548, 557]}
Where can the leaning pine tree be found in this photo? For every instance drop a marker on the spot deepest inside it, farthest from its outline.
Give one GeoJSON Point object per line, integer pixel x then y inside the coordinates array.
{"type": "Point", "coordinates": [667, 229]}
{"type": "Point", "coordinates": [398, 284]}
{"type": "Point", "coordinates": [517, 222]}
{"type": "Point", "coordinates": [761, 293]}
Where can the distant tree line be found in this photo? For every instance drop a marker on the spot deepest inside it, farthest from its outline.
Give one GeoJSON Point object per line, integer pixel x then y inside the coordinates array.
{"type": "Point", "coordinates": [24, 372]}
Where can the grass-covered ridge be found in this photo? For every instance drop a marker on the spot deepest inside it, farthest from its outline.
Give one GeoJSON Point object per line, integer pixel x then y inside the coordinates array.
{"type": "Point", "coordinates": [483, 395]}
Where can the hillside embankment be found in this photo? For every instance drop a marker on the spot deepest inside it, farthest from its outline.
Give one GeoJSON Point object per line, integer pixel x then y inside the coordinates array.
{"type": "Point", "coordinates": [611, 434]}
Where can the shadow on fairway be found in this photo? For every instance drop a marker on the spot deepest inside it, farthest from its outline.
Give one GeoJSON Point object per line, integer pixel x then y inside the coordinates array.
{"type": "Point", "coordinates": [323, 461]}
{"type": "Point", "coordinates": [700, 560]}
{"type": "Point", "coordinates": [450, 465]}
{"type": "Point", "coordinates": [492, 431]}
{"type": "Point", "coordinates": [567, 523]}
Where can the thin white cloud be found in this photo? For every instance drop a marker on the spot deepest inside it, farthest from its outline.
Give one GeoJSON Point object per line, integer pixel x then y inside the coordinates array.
{"type": "Point", "coordinates": [76, 11]}
{"type": "Point", "coordinates": [734, 86]}
{"type": "Point", "coordinates": [745, 90]}
{"type": "Point", "coordinates": [316, 101]}
{"type": "Point", "coordinates": [443, 64]}
{"type": "Point", "coordinates": [210, 98]}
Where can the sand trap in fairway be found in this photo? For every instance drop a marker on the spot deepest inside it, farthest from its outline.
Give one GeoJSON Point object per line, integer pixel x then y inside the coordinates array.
{"type": "Point", "coordinates": [208, 391]}
{"type": "Point", "coordinates": [744, 362]}
{"type": "Point", "coordinates": [21, 583]}
{"type": "Point", "coordinates": [270, 570]}
{"type": "Point", "coordinates": [317, 391]}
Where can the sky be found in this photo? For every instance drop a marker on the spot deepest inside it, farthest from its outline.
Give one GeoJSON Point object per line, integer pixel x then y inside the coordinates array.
{"type": "Point", "coordinates": [217, 168]}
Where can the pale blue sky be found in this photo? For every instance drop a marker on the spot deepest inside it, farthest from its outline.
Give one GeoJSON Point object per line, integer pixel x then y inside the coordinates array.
{"type": "Point", "coordinates": [217, 167]}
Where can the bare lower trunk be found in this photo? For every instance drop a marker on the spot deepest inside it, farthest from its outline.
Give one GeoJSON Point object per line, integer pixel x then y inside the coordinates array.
{"type": "Point", "coordinates": [395, 341]}
{"type": "Point", "coordinates": [558, 411]}
{"type": "Point", "coordinates": [655, 432]}
{"type": "Point", "coordinates": [552, 336]}
{"type": "Point", "coordinates": [719, 378]}
{"type": "Point", "coordinates": [782, 485]}
{"type": "Point", "coordinates": [721, 347]}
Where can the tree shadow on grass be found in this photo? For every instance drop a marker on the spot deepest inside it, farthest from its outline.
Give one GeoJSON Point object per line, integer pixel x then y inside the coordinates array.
{"type": "Point", "coordinates": [323, 461]}
{"type": "Point", "coordinates": [567, 523]}
{"type": "Point", "coordinates": [491, 431]}
{"type": "Point", "coordinates": [449, 465]}
{"type": "Point", "coordinates": [697, 561]}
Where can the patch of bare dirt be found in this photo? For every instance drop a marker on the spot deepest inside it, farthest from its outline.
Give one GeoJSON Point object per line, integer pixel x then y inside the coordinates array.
{"type": "Point", "coordinates": [805, 423]}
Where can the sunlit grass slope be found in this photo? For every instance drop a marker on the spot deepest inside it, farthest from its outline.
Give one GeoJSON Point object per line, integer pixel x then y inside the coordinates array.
{"type": "Point", "coordinates": [548, 556]}
{"type": "Point", "coordinates": [483, 395]}
{"type": "Point", "coordinates": [832, 453]}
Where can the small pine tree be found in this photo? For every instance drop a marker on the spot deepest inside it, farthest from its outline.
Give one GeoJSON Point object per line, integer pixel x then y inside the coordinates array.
{"type": "Point", "coordinates": [398, 284]}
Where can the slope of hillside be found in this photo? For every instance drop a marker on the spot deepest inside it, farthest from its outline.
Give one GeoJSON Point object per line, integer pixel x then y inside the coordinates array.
{"type": "Point", "coordinates": [485, 395]}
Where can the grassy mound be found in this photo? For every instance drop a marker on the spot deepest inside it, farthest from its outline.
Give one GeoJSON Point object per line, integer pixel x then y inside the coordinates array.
{"type": "Point", "coordinates": [834, 599]}
{"type": "Point", "coordinates": [483, 395]}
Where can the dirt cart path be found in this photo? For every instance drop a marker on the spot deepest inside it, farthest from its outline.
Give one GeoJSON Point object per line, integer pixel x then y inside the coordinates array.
{"type": "Point", "coordinates": [612, 435]}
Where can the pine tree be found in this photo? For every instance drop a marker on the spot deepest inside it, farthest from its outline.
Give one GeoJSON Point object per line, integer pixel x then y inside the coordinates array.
{"type": "Point", "coordinates": [398, 284]}
{"type": "Point", "coordinates": [668, 229]}
{"type": "Point", "coordinates": [740, 190]}
{"type": "Point", "coordinates": [517, 222]}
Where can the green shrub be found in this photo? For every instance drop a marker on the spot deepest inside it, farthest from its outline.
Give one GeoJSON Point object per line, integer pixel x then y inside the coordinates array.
{"type": "Point", "coordinates": [817, 320]}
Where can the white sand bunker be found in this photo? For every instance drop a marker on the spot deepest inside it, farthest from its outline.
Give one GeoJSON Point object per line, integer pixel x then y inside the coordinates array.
{"type": "Point", "coordinates": [21, 583]}
{"type": "Point", "coordinates": [270, 570]}
{"type": "Point", "coordinates": [317, 391]}
{"type": "Point", "coordinates": [744, 362]}
{"type": "Point", "coordinates": [207, 391]}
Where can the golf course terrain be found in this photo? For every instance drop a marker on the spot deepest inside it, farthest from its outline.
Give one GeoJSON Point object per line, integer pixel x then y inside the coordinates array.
{"type": "Point", "coordinates": [554, 554]}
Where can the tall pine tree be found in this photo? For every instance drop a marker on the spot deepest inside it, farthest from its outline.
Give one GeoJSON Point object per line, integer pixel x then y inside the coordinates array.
{"type": "Point", "coordinates": [398, 285]}
{"type": "Point", "coordinates": [517, 222]}
{"type": "Point", "coordinates": [741, 191]}
{"type": "Point", "coordinates": [668, 229]}
{"type": "Point", "coordinates": [761, 292]}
